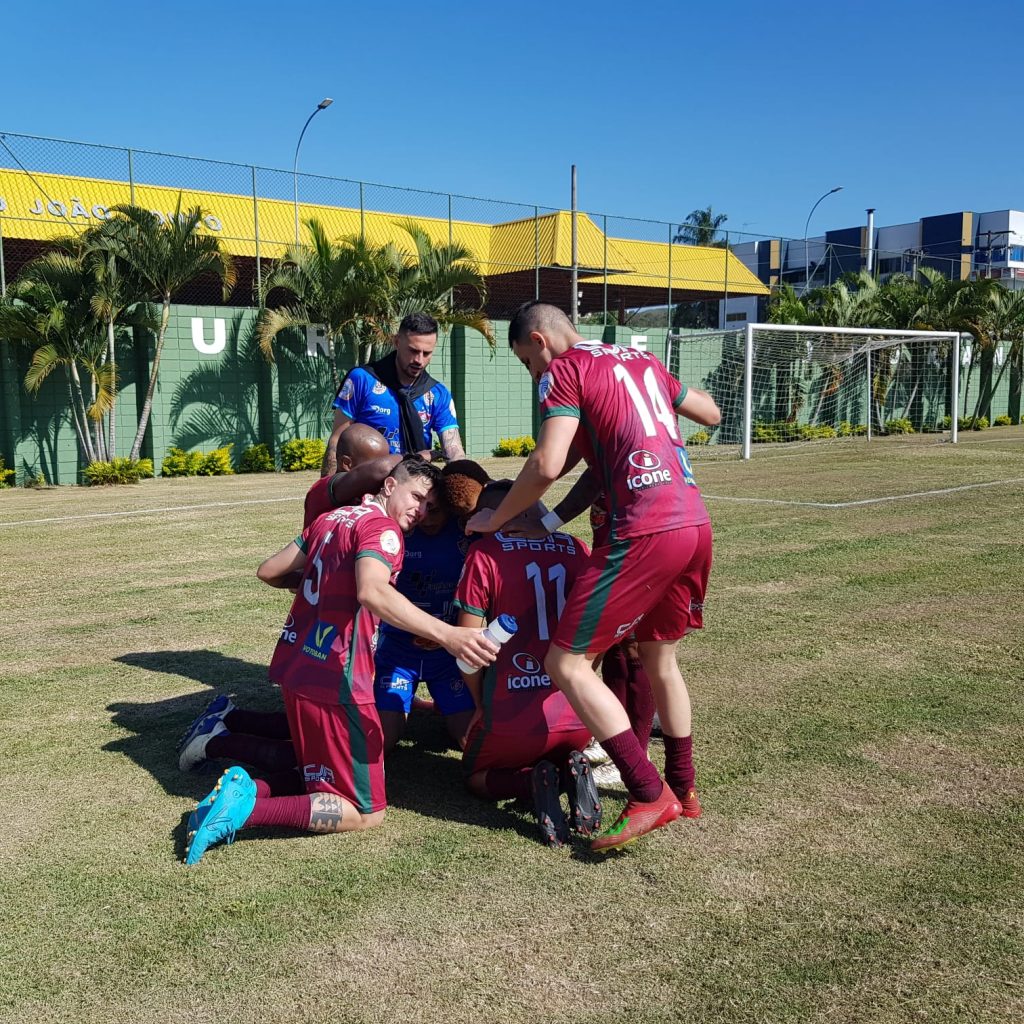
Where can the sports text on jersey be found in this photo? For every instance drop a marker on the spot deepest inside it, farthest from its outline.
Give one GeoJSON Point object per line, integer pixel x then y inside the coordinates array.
{"type": "Point", "coordinates": [555, 542]}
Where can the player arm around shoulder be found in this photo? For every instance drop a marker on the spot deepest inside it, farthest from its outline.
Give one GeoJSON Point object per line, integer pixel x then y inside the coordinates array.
{"type": "Point", "coordinates": [375, 593]}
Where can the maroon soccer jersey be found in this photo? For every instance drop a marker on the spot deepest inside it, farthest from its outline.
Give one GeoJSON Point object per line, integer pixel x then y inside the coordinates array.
{"type": "Point", "coordinates": [625, 401]}
{"type": "Point", "coordinates": [528, 579]}
{"type": "Point", "coordinates": [318, 501]}
{"type": "Point", "coordinates": [326, 648]}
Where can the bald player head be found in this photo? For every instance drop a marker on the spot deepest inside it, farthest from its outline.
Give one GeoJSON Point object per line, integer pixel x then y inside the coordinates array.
{"type": "Point", "coordinates": [537, 333]}
{"type": "Point", "coordinates": [358, 444]}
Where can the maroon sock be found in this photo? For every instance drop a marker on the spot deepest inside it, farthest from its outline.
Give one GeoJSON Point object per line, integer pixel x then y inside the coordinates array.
{"type": "Point", "coordinates": [262, 752]}
{"type": "Point", "coordinates": [615, 672]}
{"type": "Point", "coordinates": [273, 724]}
{"type": "Point", "coordinates": [639, 775]}
{"type": "Point", "coordinates": [679, 772]}
{"type": "Point", "coordinates": [286, 783]}
{"type": "Point", "coordinates": [508, 783]}
{"type": "Point", "coordinates": [640, 702]}
{"type": "Point", "coordinates": [279, 811]}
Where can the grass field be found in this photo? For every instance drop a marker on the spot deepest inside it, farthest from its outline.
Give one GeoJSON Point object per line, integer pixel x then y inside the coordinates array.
{"type": "Point", "coordinates": [858, 701]}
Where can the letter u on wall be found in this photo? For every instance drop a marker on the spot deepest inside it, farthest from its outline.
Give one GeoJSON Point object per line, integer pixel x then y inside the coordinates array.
{"type": "Point", "coordinates": [209, 348]}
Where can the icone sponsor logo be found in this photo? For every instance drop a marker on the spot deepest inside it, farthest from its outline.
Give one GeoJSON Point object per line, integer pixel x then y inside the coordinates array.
{"type": "Point", "coordinates": [533, 675]}
{"type": "Point", "coordinates": [648, 471]}
{"type": "Point", "coordinates": [288, 634]}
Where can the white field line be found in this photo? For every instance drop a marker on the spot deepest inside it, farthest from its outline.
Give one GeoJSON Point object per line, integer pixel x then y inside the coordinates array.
{"type": "Point", "coordinates": [866, 501]}
{"type": "Point", "coordinates": [148, 511]}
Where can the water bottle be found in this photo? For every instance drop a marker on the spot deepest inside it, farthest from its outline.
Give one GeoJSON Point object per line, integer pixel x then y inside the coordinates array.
{"type": "Point", "coordinates": [503, 628]}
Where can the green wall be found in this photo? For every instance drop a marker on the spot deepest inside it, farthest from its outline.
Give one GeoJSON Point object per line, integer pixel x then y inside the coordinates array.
{"type": "Point", "coordinates": [233, 396]}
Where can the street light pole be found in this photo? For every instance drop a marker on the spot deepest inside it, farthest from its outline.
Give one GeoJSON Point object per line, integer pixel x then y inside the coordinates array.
{"type": "Point", "coordinates": [807, 224]}
{"type": "Point", "coordinates": [322, 105]}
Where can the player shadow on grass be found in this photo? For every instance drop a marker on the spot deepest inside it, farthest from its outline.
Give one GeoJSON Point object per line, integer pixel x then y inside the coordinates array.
{"type": "Point", "coordinates": [423, 774]}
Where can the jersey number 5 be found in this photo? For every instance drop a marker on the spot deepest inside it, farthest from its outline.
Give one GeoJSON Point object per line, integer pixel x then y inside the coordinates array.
{"type": "Point", "coordinates": [657, 402]}
{"type": "Point", "coordinates": [556, 575]}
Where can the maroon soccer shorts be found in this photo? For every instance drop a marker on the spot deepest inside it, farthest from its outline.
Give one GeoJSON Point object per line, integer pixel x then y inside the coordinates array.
{"type": "Point", "coordinates": [340, 749]}
{"type": "Point", "coordinates": [652, 586]}
{"type": "Point", "coordinates": [486, 750]}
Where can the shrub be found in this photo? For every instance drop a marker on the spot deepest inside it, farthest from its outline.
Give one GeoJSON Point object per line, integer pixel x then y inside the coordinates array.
{"type": "Point", "coordinates": [6, 475]}
{"type": "Point", "coordinates": [809, 433]}
{"type": "Point", "coordinates": [899, 426]}
{"type": "Point", "coordinates": [509, 447]}
{"type": "Point", "coordinates": [700, 437]}
{"type": "Point", "coordinates": [947, 422]}
{"type": "Point", "coordinates": [34, 481]}
{"type": "Point", "coordinates": [216, 463]}
{"type": "Point", "coordinates": [178, 462]}
{"type": "Point", "coordinates": [117, 471]}
{"type": "Point", "coordinates": [979, 423]}
{"type": "Point", "coordinates": [1002, 421]}
{"type": "Point", "coordinates": [256, 459]}
{"type": "Point", "coordinates": [302, 453]}
{"type": "Point", "coordinates": [765, 433]}
{"type": "Point", "coordinates": [860, 430]}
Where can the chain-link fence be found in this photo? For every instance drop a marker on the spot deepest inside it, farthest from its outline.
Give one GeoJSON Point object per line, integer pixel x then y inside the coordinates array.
{"type": "Point", "coordinates": [651, 274]}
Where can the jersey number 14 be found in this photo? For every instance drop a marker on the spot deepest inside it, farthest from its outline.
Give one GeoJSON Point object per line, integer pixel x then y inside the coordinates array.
{"type": "Point", "coordinates": [662, 412]}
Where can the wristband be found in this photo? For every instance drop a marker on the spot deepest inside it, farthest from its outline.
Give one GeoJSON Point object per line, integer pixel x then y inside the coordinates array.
{"type": "Point", "coordinates": [551, 521]}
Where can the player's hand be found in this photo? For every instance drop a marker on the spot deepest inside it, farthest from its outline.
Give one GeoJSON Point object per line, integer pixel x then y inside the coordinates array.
{"type": "Point", "coordinates": [481, 522]}
{"type": "Point", "coordinates": [471, 646]}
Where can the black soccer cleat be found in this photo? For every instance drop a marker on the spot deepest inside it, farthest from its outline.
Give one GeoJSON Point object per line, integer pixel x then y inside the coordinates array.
{"type": "Point", "coordinates": [584, 803]}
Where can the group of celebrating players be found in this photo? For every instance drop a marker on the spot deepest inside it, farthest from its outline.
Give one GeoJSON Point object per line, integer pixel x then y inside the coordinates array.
{"type": "Point", "coordinates": [400, 565]}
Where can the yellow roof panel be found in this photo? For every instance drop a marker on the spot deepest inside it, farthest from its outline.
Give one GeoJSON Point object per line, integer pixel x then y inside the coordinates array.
{"type": "Point", "coordinates": [45, 206]}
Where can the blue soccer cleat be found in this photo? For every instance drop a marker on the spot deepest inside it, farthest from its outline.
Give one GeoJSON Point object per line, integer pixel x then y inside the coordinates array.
{"type": "Point", "coordinates": [220, 707]}
{"type": "Point", "coordinates": [233, 801]}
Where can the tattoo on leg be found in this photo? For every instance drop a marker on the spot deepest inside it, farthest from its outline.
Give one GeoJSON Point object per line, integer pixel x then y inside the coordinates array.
{"type": "Point", "coordinates": [324, 812]}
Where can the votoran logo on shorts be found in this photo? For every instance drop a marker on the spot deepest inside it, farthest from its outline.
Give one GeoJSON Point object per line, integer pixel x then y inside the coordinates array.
{"type": "Point", "coordinates": [533, 675]}
{"type": "Point", "coordinates": [646, 471]}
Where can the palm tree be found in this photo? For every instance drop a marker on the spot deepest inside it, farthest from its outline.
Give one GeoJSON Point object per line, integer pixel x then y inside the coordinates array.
{"type": "Point", "coordinates": [701, 227]}
{"type": "Point", "coordinates": [347, 287]}
{"type": "Point", "coordinates": [48, 307]}
{"type": "Point", "coordinates": [360, 291]}
{"type": "Point", "coordinates": [1007, 324]}
{"type": "Point", "coordinates": [165, 256]}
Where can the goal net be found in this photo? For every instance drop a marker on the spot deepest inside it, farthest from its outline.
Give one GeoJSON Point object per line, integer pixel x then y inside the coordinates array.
{"type": "Point", "coordinates": [781, 385]}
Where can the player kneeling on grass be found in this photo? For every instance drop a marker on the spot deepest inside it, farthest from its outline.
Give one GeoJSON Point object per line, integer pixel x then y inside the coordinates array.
{"type": "Point", "coordinates": [261, 738]}
{"type": "Point", "coordinates": [344, 566]}
{"type": "Point", "coordinates": [434, 554]}
{"type": "Point", "coordinates": [525, 739]}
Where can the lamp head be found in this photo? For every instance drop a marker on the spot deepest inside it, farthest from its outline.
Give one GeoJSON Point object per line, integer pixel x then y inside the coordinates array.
{"type": "Point", "coordinates": [324, 103]}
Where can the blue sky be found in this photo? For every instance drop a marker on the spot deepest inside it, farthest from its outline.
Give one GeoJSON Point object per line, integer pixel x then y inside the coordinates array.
{"type": "Point", "coordinates": [756, 109]}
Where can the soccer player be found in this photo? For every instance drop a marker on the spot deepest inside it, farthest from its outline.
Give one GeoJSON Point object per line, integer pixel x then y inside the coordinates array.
{"type": "Point", "coordinates": [434, 554]}
{"type": "Point", "coordinates": [622, 671]}
{"type": "Point", "coordinates": [363, 463]}
{"type": "Point", "coordinates": [344, 565]}
{"type": "Point", "coordinates": [397, 396]}
{"type": "Point", "coordinates": [618, 406]}
{"type": "Point", "coordinates": [525, 738]}
{"type": "Point", "coordinates": [261, 738]}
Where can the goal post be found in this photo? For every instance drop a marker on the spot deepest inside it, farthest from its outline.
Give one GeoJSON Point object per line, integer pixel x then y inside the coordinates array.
{"type": "Point", "coordinates": [779, 383]}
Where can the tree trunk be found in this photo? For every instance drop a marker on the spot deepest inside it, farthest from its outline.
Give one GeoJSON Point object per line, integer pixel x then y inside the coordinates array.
{"type": "Point", "coordinates": [79, 405]}
{"type": "Point", "coordinates": [111, 427]}
{"type": "Point", "coordinates": [147, 406]}
{"type": "Point", "coordinates": [82, 437]}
